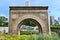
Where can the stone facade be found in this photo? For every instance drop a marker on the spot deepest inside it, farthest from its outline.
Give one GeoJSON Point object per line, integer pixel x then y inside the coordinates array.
{"type": "Point", "coordinates": [38, 14]}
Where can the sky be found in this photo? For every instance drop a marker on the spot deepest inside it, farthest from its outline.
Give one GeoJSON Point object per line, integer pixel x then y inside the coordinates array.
{"type": "Point", "coordinates": [53, 6]}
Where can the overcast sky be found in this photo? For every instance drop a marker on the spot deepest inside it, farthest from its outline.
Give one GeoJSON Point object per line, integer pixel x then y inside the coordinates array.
{"type": "Point", "coordinates": [54, 6]}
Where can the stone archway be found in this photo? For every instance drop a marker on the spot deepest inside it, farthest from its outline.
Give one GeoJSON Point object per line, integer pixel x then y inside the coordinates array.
{"type": "Point", "coordinates": [38, 13]}
{"type": "Point", "coordinates": [36, 22]}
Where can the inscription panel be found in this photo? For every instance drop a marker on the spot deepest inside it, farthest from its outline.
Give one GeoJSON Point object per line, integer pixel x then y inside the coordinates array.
{"type": "Point", "coordinates": [28, 10]}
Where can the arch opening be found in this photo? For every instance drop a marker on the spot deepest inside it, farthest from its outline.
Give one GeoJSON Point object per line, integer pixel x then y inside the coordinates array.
{"type": "Point", "coordinates": [29, 25]}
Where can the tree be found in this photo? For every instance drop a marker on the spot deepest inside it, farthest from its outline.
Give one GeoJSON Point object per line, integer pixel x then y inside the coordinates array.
{"type": "Point", "coordinates": [29, 23]}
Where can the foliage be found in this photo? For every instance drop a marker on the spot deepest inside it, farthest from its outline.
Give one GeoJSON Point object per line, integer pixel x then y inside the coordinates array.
{"type": "Point", "coordinates": [54, 33]}
{"type": "Point", "coordinates": [5, 24]}
{"type": "Point", "coordinates": [28, 32]}
{"type": "Point", "coordinates": [55, 26]}
{"type": "Point", "coordinates": [29, 23]}
{"type": "Point", "coordinates": [28, 37]}
{"type": "Point", "coordinates": [1, 20]}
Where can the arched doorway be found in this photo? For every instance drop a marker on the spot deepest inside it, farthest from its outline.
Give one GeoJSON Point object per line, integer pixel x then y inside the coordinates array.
{"type": "Point", "coordinates": [38, 14]}
{"type": "Point", "coordinates": [35, 23]}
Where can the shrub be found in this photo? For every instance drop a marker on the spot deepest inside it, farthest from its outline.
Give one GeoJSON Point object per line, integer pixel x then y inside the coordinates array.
{"type": "Point", "coordinates": [29, 37]}
{"type": "Point", "coordinates": [55, 26]}
{"type": "Point", "coordinates": [28, 32]}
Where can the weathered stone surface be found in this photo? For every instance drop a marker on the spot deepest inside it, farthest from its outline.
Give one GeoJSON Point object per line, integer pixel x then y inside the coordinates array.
{"type": "Point", "coordinates": [39, 14]}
